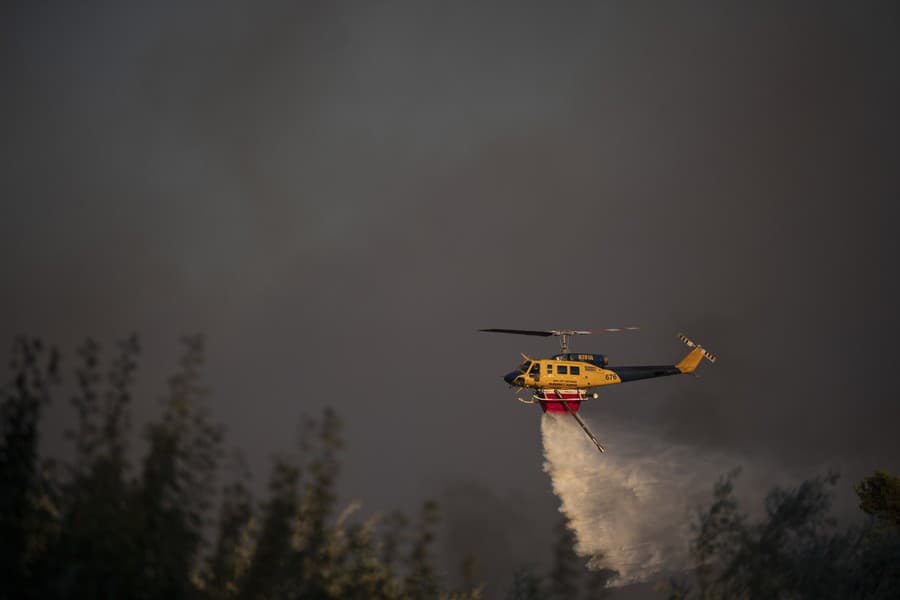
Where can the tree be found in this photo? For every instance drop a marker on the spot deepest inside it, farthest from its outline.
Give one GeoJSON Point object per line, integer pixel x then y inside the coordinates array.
{"type": "Point", "coordinates": [234, 545]}
{"type": "Point", "coordinates": [567, 569]}
{"type": "Point", "coordinates": [320, 445]}
{"type": "Point", "coordinates": [269, 565]}
{"type": "Point", "coordinates": [879, 496]}
{"type": "Point", "coordinates": [27, 505]}
{"type": "Point", "coordinates": [94, 551]}
{"type": "Point", "coordinates": [795, 551]}
{"type": "Point", "coordinates": [569, 573]}
{"type": "Point", "coordinates": [596, 585]}
{"type": "Point", "coordinates": [422, 581]}
{"type": "Point", "coordinates": [99, 528]}
{"type": "Point", "coordinates": [393, 538]}
{"type": "Point", "coordinates": [175, 487]}
{"type": "Point", "coordinates": [526, 585]}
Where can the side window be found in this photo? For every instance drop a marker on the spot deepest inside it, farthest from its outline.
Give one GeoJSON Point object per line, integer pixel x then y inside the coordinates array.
{"type": "Point", "coordinates": [575, 370]}
{"type": "Point", "coordinates": [562, 369]}
{"type": "Point", "coordinates": [549, 369]}
{"type": "Point", "coordinates": [535, 368]}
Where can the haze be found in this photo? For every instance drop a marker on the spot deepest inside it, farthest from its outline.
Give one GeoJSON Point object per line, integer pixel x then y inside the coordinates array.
{"type": "Point", "coordinates": [340, 195]}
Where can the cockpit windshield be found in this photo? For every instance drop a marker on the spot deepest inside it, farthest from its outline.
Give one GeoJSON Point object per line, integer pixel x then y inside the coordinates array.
{"type": "Point", "coordinates": [524, 366]}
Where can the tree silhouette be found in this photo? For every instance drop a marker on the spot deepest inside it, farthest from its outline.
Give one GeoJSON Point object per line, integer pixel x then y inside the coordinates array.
{"type": "Point", "coordinates": [234, 546]}
{"type": "Point", "coordinates": [176, 483]}
{"type": "Point", "coordinates": [422, 581]}
{"type": "Point", "coordinates": [567, 568]}
{"type": "Point", "coordinates": [269, 563]}
{"type": "Point", "coordinates": [27, 507]}
{"type": "Point", "coordinates": [526, 585]}
{"type": "Point", "coordinates": [795, 551]}
{"type": "Point", "coordinates": [879, 496]}
{"type": "Point", "coordinates": [97, 526]}
{"type": "Point", "coordinates": [93, 553]}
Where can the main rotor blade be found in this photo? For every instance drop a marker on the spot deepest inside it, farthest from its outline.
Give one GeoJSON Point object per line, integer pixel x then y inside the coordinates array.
{"type": "Point", "coordinates": [549, 332]}
{"type": "Point", "coordinates": [520, 332]}
{"type": "Point", "coordinates": [612, 329]}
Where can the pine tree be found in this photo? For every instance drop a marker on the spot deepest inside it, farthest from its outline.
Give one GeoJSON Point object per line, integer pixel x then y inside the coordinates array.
{"type": "Point", "coordinates": [27, 506]}
{"type": "Point", "coordinates": [95, 552]}
{"type": "Point", "coordinates": [421, 580]}
{"type": "Point", "coordinates": [393, 536]}
{"type": "Point", "coordinates": [526, 586]}
{"type": "Point", "coordinates": [879, 496]}
{"type": "Point", "coordinates": [567, 567]}
{"type": "Point", "coordinates": [269, 567]}
{"type": "Point", "coordinates": [101, 530]}
{"type": "Point", "coordinates": [321, 445]}
{"type": "Point", "coordinates": [234, 545]}
{"type": "Point", "coordinates": [596, 585]}
{"type": "Point", "coordinates": [795, 551]}
{"type": "Point", "coordinates": [176, 483]}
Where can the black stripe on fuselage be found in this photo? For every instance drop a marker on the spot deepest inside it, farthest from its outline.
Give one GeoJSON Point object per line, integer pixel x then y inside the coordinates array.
{"type": "Point", "coordinates": [649, 372]}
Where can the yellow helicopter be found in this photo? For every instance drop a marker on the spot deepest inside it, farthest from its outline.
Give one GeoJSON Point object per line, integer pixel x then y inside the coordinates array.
{"type": "Point", "coordinates": [563, 382]}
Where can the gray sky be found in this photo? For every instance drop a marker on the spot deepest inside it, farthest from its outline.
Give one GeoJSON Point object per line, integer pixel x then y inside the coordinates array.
{"type": "Point", "coordinates": [326, 189]}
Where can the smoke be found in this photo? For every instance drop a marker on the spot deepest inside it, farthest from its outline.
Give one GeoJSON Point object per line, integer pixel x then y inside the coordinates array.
{"type": "Point", "coordinates": [632, 507]}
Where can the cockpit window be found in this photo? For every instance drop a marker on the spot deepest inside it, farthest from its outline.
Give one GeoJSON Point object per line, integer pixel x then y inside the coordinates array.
{"type": "Point", "coordinates": [524, 366]}
{"type": "Point", "coordinates": [535, 368]}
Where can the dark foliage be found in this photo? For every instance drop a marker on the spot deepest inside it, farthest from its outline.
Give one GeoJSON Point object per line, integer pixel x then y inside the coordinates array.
{"type": "Point", "coordinates": [567, 565]}
{"type": "Point", "coordinates": [796, 550]}
{"type": "Point", "coordinates": [98, 527]}
{"type": "Point", "coordinates": [28, 516]}
{"type": "Point", "coordinates": [526, 586]}
{"type": "Point", "coordinates": [879, 496]}
{"type": "Point", "coordinates": [570, 577]}
{"type": "Point", "coordinates": [422, 582]}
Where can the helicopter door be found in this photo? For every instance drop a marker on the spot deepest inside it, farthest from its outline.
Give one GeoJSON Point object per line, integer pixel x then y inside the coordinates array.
{"type": "Point", "coordinates": [535, 371]}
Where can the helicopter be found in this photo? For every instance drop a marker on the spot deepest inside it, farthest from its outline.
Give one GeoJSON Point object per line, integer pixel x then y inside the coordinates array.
{"type": "Point", "coordinates": [563, 382]}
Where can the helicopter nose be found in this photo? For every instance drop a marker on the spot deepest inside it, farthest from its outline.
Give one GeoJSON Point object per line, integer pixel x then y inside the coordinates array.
{"type": "Point", "coordinates": [511, 376]}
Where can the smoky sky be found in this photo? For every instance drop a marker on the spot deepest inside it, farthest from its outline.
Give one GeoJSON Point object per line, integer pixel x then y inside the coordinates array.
{"type": "Point", "coordinates": [339, 195]}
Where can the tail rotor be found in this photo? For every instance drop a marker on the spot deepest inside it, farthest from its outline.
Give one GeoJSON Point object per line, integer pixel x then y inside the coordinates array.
{"type": "Point", "coordinates": [690, 344]}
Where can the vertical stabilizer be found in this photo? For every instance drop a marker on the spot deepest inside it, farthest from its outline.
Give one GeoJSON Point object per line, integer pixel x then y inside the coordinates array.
{"type": "Point", "coordinates": [690, 362]}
